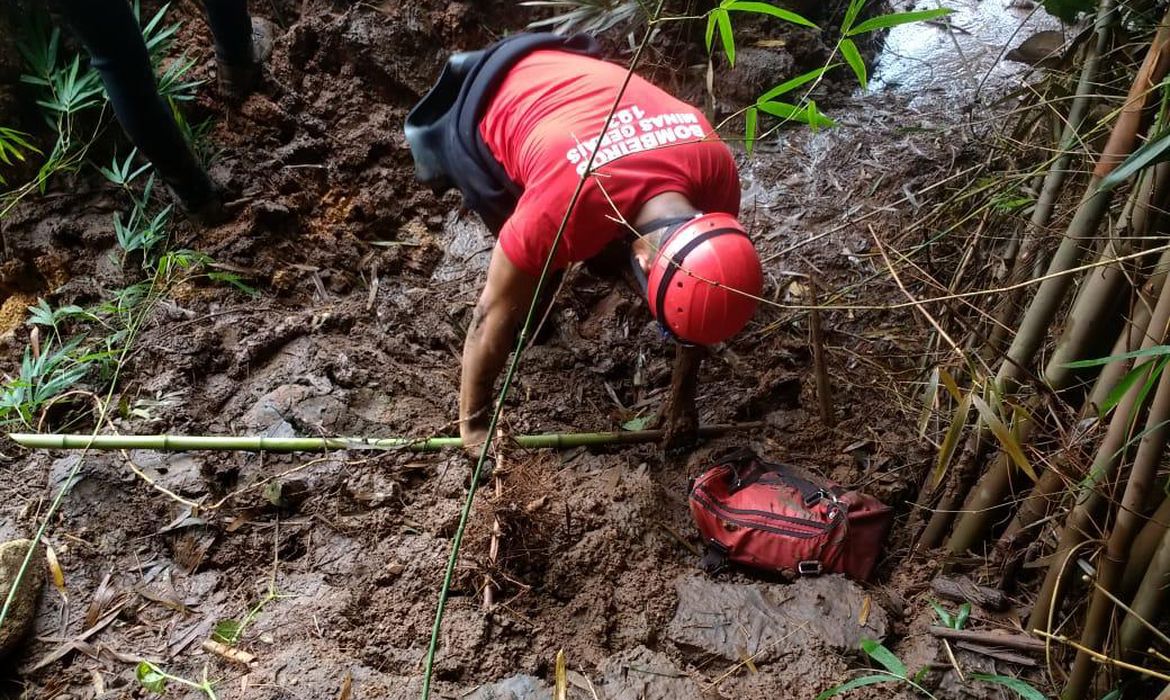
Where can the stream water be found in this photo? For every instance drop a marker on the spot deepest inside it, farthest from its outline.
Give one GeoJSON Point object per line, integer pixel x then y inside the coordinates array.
{"type": "Point", "coordinates": [960, 59]}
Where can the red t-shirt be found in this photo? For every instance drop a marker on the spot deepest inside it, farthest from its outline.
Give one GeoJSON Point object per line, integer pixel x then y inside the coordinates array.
{"type": "Point", "coordinates": [543, 120]}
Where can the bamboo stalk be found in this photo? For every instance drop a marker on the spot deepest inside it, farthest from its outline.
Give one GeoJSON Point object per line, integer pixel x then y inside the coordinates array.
{"type": "Point", "coordinates": [1050, 295]}
{"type": "Point", "coordinates": [1042, 496]}
{"type": "Point", "coordinates": [1080, 520]}
{"type": "Point", "coordinates": [1149, 599]}
{"type": "Point", "coordinates": [239, 443]}
{"type": "Point", "coordinates": [1144, 547]}
{"type": "Point", "coordinates": [1092, 314]}
{"type": "Point", "coordinates": [1054, 180]}
{"type": "Point", "coordinates": [1109, 569]}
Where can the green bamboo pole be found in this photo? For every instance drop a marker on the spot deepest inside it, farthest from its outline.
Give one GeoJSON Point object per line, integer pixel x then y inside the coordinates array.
{"type": "Point", "coordinates": [242, 443]}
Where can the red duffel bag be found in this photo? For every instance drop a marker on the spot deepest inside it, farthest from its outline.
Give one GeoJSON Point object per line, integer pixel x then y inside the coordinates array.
{"type": "Point", "coordinates": [767, 516]}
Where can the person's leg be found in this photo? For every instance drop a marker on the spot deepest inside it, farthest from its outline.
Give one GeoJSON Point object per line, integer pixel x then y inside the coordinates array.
{"type": "Point", "coordinates": [113, 38]}
{"type": "Point", "coordinates": [242, 44]}
{"type": "Point", "coordinates": [232, 28]}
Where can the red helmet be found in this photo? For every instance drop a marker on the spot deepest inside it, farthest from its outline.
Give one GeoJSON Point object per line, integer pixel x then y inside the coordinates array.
{"type": "Point", "coordinates": [704, 279]}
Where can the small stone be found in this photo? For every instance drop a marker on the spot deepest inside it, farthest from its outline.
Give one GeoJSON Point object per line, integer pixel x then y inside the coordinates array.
{"type": "Point", "coordinates": [514, 688]}
{"type": "Point", "coordinates": [23, 610]}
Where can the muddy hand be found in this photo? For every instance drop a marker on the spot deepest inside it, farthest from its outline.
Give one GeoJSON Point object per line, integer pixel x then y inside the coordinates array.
{"type": "Point", "coordinates": [680, 415]}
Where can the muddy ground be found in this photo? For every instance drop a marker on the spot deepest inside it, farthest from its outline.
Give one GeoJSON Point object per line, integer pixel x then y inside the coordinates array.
{"type": "Point", "coordinates": [365, 286]}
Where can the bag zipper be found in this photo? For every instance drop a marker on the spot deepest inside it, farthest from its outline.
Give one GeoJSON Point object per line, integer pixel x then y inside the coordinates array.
{"type": "Point", "coordinates": [720, 510]}
{"type": "Point", "coordinates": [776, 516]}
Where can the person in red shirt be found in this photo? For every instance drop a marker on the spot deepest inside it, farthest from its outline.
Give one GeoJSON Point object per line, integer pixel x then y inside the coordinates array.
{"type": "Point", "coordinates": [659, 177]}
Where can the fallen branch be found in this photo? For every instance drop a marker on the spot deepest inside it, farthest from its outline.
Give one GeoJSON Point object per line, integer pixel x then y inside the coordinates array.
{"type": "Point", "coordinates": [1021, 642]}
{"type": "Point", "coordinates": [240, 443]}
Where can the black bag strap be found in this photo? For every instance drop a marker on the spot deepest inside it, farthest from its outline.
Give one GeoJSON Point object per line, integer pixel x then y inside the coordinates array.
{"type": "Point", "coordinates": [748, 468]}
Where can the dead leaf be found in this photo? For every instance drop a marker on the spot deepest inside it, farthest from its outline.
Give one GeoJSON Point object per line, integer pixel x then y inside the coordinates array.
{"type": "Point", "coordinates": [55, 570]}
{"type": "Point", "coordinates": [346, 686]}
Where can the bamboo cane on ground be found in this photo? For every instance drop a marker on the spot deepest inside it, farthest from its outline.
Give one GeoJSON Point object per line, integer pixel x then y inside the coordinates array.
{"type": "Point", "coordinates": [1092, 314]}
{"type": "Point", "coordinates": [238, 443]}
{"type": "Point", "coordinates": [1078, 526]}
{"type": "Point", "coordinates": [1110, 566]}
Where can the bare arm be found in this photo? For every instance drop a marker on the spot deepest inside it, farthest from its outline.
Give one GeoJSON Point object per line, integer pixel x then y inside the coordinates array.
{"type": "Point", "coordinates": [505, 299]}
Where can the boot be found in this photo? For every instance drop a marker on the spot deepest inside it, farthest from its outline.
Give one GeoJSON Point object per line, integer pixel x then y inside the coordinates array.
{"type": "Point", "coordinates": [207, 211]}
{"type": "Point", "coordinates": [237, 82]}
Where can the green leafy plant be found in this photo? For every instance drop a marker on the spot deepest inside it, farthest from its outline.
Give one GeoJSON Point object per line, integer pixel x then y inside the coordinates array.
{"type": "Point", "coordinates": [124, 173]}
{"type": "Point", "coordinates": [894, 671]}
{"type": "Point", "coordinates": [720, 19]}
{"type": "Point", "coordinates": [804, 110]}
{"type": "Point", "coordinates": [850, 30]}
{"type": "Point", "coordinates": [1146, 373]}
{"type": "Point", "coordinates": [155, 680]}
{"type": "Point", "coordinates": [45, 373]}
{"type": "Point", "coordinates": [591, 16]}
{"type": "Point", "coordinates": [230, 631]}
{"type": "Point", "coordinates": [957, 621]}
{"type": "Point", "coordinates": [140, 234]}
{"type": "Point", "coordinates": [13, 145]}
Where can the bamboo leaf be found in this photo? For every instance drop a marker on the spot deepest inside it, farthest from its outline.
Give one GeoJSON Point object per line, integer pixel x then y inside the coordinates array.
{"type": "Point", "coordinates": [951, 441]}
{"type": "Point", "coordinates": [1019, 687]}
{"type": "Point", "coordinates": [1006, 439]}
{"type": "Point", "coordinates": [897, 18]}
{"type": "Point", "coordinates": [928, 402]}
{"type": "Point", "coordinates": [950, 383]}
{"type": "Point", "coordinates": [963, 615]}
{"type": "Point", "coordinates": [943, 616]}
{"type": "Point", "coordinates": [710, 37]}
{"type": "Point", "coordinates": [851, 13]}
{"type": "Point", "coordinates": [1118, 393]}
{"type": "Point", "coordinates": [751, 118]}
{"type": "Point", "coordinates": [884, 656]}
{"type": "Point", "coordinates": [763, 8]}
{"type": "Point", "coordinates": [790, 85]}
{"type": "Point", "coordinates": [723, 20]}
{"type": "Point", "coordinates": [793, 113]}
{"type": "Point", "coordinates": [1152, 152]}
{"type": "Point", "coordinates": [858, 683]}
{"type": "Point", "coordinates": [855, 61]}
{"type": "Point", "coordinates": [1155, 351]}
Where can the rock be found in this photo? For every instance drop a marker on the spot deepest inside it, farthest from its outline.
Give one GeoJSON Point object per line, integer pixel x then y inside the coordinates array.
{"type": "Point", "coordinates": [768, 620]}
{"type": "Point", "coordinates": [514, 688]}
{"type": "Point", "coordinates": [181, 473]}
{"type": "Point", "coordinates": [641, 674]}
{"type": "Point", "coordinates": [23, 611]}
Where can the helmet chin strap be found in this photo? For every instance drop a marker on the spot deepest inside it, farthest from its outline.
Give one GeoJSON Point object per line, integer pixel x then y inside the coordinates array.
{"type": "Point", "coordinates": [672, 224]}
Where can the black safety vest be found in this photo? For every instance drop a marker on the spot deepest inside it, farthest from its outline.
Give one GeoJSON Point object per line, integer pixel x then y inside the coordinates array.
{"type": "Point", "coordinates": [443, 129]}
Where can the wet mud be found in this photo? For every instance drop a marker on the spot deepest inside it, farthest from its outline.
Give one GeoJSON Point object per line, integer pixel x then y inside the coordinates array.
{"type": "Point", "coordinates": [365, 287]}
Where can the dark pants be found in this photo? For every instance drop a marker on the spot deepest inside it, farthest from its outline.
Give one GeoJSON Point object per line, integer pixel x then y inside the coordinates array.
{"type": "Point", "coordinates": [118, 52]}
